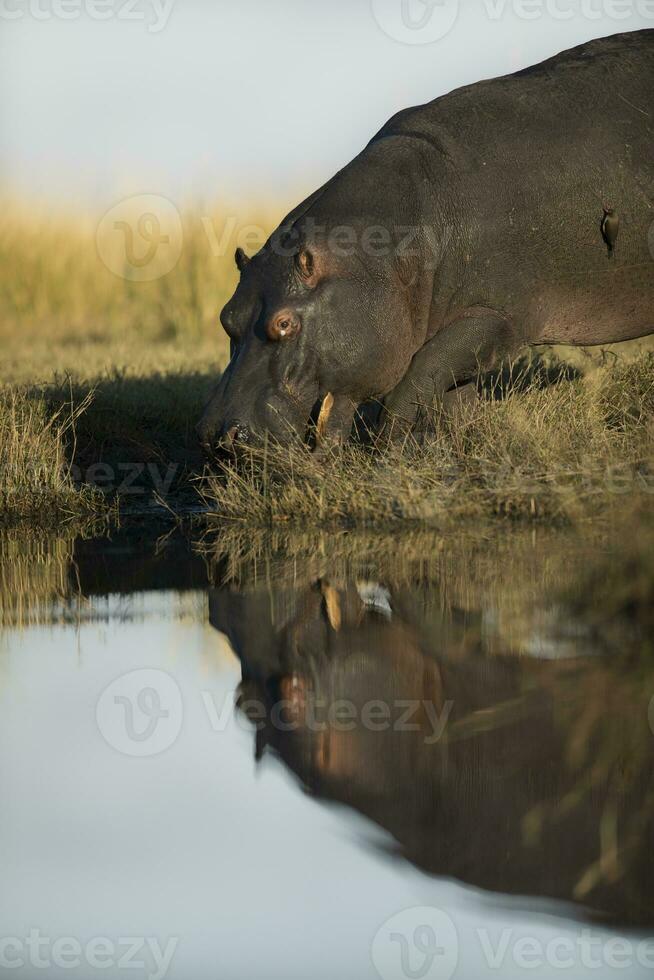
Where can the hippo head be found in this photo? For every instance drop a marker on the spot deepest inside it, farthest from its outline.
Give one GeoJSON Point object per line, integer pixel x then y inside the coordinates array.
{"type": "Point", "coordinates": [306, 321]}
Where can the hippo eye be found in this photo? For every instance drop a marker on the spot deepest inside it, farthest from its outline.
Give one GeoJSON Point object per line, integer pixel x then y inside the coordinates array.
{"type": "Point", "coordinates": [283, 326]}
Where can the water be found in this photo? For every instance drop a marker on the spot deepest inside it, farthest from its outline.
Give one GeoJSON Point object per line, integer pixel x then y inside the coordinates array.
{"type": "Point", "coordinates": [397, 759]}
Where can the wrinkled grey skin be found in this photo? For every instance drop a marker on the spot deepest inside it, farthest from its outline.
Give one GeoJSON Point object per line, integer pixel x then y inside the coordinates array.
{"type": "Point", "coordinates": [466, 229]}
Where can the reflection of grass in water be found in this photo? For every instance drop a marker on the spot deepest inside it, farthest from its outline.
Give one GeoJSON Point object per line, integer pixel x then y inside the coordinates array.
{"type": "Point", "coordinates": [472, 563]}
{"type": "Point", "coordinates": [621, 617]}
{"type": "Point", "coordinates": [567, 451]}
{"type": "Point", "coordinates": [43, 582]}
{"type": "Point", "coordinates": [601, 710]}
{"type": "Point", "coordinates": [515, 573]}
{"type": "Point", "coordinates": [35, 578]}
{"type": "Point", "coordinates": [618, 591]}
{"type": "Point", "coordinates": [602, 707]}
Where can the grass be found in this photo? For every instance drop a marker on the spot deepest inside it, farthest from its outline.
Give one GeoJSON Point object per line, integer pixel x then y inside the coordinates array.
{"type": "Point", "coordinates": [63, 310]}
{"type": "Point", "coordinates": [561, 451]}
{"type": "Point", "coordinates": [103, 379]}
{"type": "Point", "coordinates": [37, 477]}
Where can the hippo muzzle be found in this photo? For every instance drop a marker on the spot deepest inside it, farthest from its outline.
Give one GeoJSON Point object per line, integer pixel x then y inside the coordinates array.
{"type": "Point", "coordinates": [246, 409]}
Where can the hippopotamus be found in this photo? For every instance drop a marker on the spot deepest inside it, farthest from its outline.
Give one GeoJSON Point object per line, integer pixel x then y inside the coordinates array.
{"type": "Point", "coordinates": [515, 211]}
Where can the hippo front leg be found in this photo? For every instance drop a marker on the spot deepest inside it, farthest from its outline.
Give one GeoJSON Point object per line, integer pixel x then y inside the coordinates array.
{"type": "Point", "coordinates": [451, 357]}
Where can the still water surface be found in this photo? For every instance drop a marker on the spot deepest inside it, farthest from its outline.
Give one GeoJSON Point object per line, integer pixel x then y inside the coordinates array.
{"type": "Point", "coordinates": [316, 769]}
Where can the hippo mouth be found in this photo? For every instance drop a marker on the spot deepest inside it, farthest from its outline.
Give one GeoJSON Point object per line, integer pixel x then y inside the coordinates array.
{"type": "Point", "coordinates": [239, 438]}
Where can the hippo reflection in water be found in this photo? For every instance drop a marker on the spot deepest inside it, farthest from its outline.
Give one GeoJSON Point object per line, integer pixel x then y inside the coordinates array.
{"type": "Point", "coordinates": [515, 775]}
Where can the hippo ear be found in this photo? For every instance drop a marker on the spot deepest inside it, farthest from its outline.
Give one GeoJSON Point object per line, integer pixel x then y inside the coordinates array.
{"type": "Point", "coordinates": [306, 264]}
{"type": "Point", "coordinates": [241, 259]}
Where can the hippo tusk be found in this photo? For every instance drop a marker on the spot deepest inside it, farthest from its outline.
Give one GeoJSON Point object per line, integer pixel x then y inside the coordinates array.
{"type": "Point", "coordinates": [333, 606]}
{"type": "Point", "coordinates": [323, 418]}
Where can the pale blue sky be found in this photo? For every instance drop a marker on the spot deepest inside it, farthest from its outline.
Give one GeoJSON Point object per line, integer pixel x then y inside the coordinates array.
{"type": "Point", "coordinates": [236, 99]}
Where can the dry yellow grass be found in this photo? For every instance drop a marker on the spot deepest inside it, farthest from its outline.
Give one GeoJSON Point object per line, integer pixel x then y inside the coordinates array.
{"type": "Point", "coordinates": [564, 451]}
{"type": "Point", "coordinates": [36, 482]}
{"type": "Point", "coordinates": [97, 368]}
{"type": "Point", "coordinates": [62, 309]}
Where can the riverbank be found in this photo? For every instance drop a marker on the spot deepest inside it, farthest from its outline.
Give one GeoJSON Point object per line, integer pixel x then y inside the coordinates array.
{"type": "Point", "coordinates": [103, 379]}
